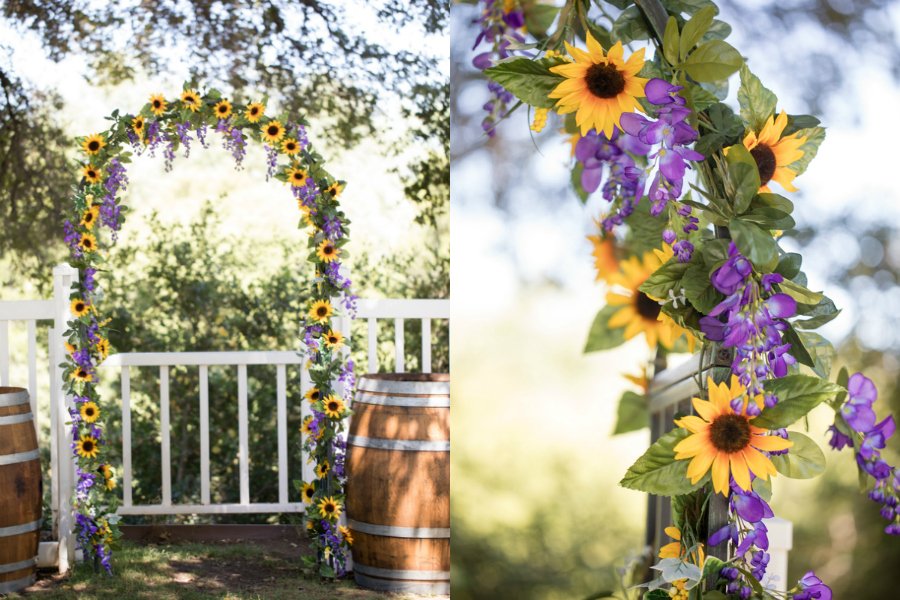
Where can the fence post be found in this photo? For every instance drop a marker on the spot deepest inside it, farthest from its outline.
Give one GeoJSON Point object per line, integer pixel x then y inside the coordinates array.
{"type": "Point", "coordinates": [64, 279]}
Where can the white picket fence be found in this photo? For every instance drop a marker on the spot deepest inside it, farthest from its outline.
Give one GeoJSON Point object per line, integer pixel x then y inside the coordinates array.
{"type": "Point", "coordinates": [61, 552]}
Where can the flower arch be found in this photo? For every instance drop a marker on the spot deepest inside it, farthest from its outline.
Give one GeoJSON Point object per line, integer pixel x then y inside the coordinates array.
{"type": "Point", "coordinates": [93, 221]}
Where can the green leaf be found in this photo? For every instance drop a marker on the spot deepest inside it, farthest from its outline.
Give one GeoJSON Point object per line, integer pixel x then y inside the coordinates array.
{"type": "Point", "coordinates": [778, 219]}
{"type": "Point", "coordinates": [715, 595]}
{"type": "Point", "coordinates": [820, 314]}
{"type": "Point", "coordinates": [797, 395]}
{"type": "Point", "coordinates": [752, 242]}
{"type": "Point", "coordinates": [798, 350]}
{"type": "Point", "coordinates": [739, 153]}
{"type": "Point", "coordinates": [712, 61]}
{"type": "Point", "coordinates": [772, 201]}
{"type": "Point", "coordinates": [719, 30]}
{"type": "Point", "coordinates": [690, 6]}
{"type": "Point", "coordinates": [539, 17]}
{"type": "Point", "coordinates": [711, 567]}
{"type": "Point", "coordinates": [814, 137]}
{"type": "Point", "coordinates": [529, 80]}
{"type": "Point", "coordinates": [757, 102]}
{"type": "Point", "coordinates": [745, 179]}
{"type": "Point", "coordinates": [843, 379]}
{"type": "Point", "coordinates": [659, 594]}
{"type": "Point", "coordinates": [630, 25]}
{"type": "Point", "coordinates": [665, 278]}
{"type": "Point", "coordinates": [657, 471]}
{"type": "Point", "coordinates": [632, 413]}
{"type": "Point", "coordinates": [646, 230]}
{"type": "Point", "coordinates": [714, 252]}
{"type": "Point", "coordinates": [698, 289]}
{"type": "Point", "coordinates": [798, 122]}
{"type": "Point", "coordinates": [607, 594]}
{"type": "Point", "coordinates": [789, 265]}
{"type": "Point", "coordinates": [763, 488]}
{"type": "Point", "coordinates": [800, 293]}
{"type": "Point", "coordinates": [601, 337]}
{"type": "Point", "coordinates": [325, 570]}
{"type": "Point", "coordinates": [670, 41]}
{"type": "Point", "coordinates": [804, 459]}
{"type": "Point", "coordinates": [576, 182]}
{"type": "Point", "coordinates": [821, 351]}
{"type": "Point", "coordinates": [695, 28]}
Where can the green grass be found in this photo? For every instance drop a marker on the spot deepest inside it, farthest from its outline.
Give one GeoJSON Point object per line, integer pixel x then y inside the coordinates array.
{"type": "Point", "coordinates": [191, 571]}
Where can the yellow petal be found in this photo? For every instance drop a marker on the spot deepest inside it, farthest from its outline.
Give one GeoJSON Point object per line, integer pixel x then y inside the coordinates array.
{"type": "Point", "coordinates": [750, 141]}
{"type": "Point", "coordinates": [770, 443]}
{"type": "Point", "coordinates": [707, 410]}
{"type": "Point", "coordinates": [720, 473]}
{"type": "Point", "coordinates": [652, 335]}
{"type": "Point", "coordinates": [780, 124]}
{"type": "Point", "coordinates": [567, 87]}
{"type": "Point", "coordinates": [617, 299]}
{"type": "Point", "coordinates": [579, 55]}
{"type": "Point", "coordinates": [622, 318]}
{"type": "Point", "coordinates": [701, 463]}
{"type": "Point", "coordinates": [674, 533]}
{"type": "Point", "coordinates": [634, 328]}
{"type": "Point", "coordinates": [594, 46]}
{"type": "Point", "coordinates": [571, 70]}
{"type": "Point", "coordinates": [765, 136]}
{"type": "Point", "coordinates": [740, 471]}
{"type": "Point", "coordinates": [634, 88]}
{"type": "Point", "coordinates": [692, 423]}
{"type": "Point", "coordinates": [672, 550]}
{"type": "Point", "coordinates": [759, 464]}
{"type": "Point", "coordinates": [634, 64]}
{"type": "Point", "coordinates": [692, 444]}
{"type": "Point", "coordinates": [616, 52]}
{"type": "Point", "coordinates": [785, 176]}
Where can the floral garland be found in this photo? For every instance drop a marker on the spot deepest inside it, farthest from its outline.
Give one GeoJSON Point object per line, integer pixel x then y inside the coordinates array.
{"type": "Point", "coordinates": [708, 270]}
{"type": "Point", "coordinates": [97, 206]}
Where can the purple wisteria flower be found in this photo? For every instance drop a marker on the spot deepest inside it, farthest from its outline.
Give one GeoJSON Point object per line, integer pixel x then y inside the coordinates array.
{"type": "Point", "coordinates": [857, 411]}
{"type": "Point", "coordinates": [811, 587]}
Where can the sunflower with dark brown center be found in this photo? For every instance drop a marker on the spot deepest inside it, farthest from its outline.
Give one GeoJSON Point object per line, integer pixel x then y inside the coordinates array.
{"type": "Point", "coordinates": [326, 252]}
{"type": "Point", "coordinates": [272, 131]}
{"type": "Point", "coordinates": [334, 407]}
{"type": "Point", "coordinates": [91, 174]}
{"type": "Point", "coordinates": [191, 100]}
{"type": "Point", "coordinates": [158, 104]}
{"type": "Point", "coordinates": [773, 153]}
{"type": "Point", "coordinates": [297, 177]}
{"type": "Point", "coordinates": [79, 308]}
{"type": "Point", "coordinates": [320, 311]}
{"type": "Point", "coordinates": [329, 508]}
{"type": "Point", "coordinates": [87, 447]}
{"type": "Point", "coordinates": [290, 146]}
{"type": "Point", "coordinates": [334, 339]}
{"type": "Point", "coordinates": [92, 144]}
{"type": "Point", "coordinates": [223, 109]}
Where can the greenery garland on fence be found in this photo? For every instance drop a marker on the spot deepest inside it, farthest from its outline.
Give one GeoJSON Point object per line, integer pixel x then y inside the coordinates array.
{"type": "Point", "coordinates": [93, 221]}
{"type": "Point", "coordinates": [683, 269]}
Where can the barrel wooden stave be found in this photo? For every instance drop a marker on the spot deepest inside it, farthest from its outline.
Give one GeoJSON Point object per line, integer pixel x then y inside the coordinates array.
{"type": "Point", "coordinates": [20, 494]}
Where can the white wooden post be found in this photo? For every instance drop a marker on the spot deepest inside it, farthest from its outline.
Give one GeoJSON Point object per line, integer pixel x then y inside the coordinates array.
{"type": "Point", "coordinates": [373, 345]}
{"type": "Point", "coordinates": [4, 353]}
{"type": "Point", "coordinates": [244, 445]}
{"type": "Point", "coordinates": [32, 373]}
{"type": "Point", "coordinates": [426, 345]}
{"type": "Point", "coordinates": [399, 360]}
{"type": "Point", "coordinates": [781, 537]}
{"type": "Point", "coordinates": [166, 435]}
{"type": "Point", "coordinates": [54, 434]}
{"type": "Point", "coordinates": [281, 375]}
{"type": "Point", "coordinates": [204, 434]}
{"type": "Point", "coordinates": [126, 436]}
{"type": "Point", "coordinates": [307, 469]}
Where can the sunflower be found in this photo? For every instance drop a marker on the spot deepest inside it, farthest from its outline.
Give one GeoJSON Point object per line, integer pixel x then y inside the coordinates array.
{"type": "Point", "coordinates": [106, 470]}
{"type": "Point", "coordinates": [726, 441]}
{"type": "Point", "coordinates": [70, 348]}
{"type": "Point", "coordinates": [322, 469]}
{"type": "Point", "coordinates": [223, 109]}
{"type": "Point", "coordinates": [255, 111]}
{"type": "Point", "coordinates": [86, 447]}
{"type": "Point", "coordinates": [92, 144]}
{"type": "Point", "coordinates": [79, 308]}
{"type": "Point", "coordinates": [297, 177]}
{"type": "Point", "coordinates": [273, 131]}
{"type": "Point", "coordinates": [335, 189]}
{"type": "Point", "coordinates": [329, 508]}
{"type": "Point", "coordinates": [334, 407]}
{"type": "Point", "coordinates": [190, 99]}
{"type": "Point", "coordinates": [158, 104]}
{"type": "Point", "coordinates": [102, 348]}
{"type": "Point", "coordinates": [320, 311]}
{"type": "Point", "coordinates": [599, 87]}
{"type": "Point", "coordinates": [348, 537]}
{"type": "Point", "coordinates": [310, 525]}
{"type": "Point", "coordinates": [313, 395]}
{"type": "Point", "coordinates": [674, 550]}
{"type": "Point", "coordinates": [327, 252]}
{"type": "Point", "coordinates": [138, 125]}
{"type": "Point", "coordinates": [605, 255]}
{"type": "Point", "coordinates": [773, 153]}
{"type": "Point", "coordinates": [91, 174]}
{"type": "Point", "coordinates": [110, 483]}
{"type": "Point", "coordinates": [290, 146]}
{"type": "Point", "coordinates": [88, 242]}
{"type": "Point", "coordinates": [307, 217]}
{"type": "Point", "coordinates": [334, 339]}
{"type": "Point", "coordinates": [81, 374]}
{"type": "Point", "coordinates": [308, 491]}
{"type": "Point", "coordinates": [90, 412]}
{"type": "Point", "coordinates": [90, 217]}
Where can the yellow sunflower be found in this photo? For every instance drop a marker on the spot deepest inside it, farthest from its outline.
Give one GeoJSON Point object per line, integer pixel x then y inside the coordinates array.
{"type": "Point", "coordinates": [190, 99]}
{"type": "Point", "coordinates": [322, 469]}
{"type": "Point", "coordinates": [326, 252]}
{"type": "Point", "coordinates": [79, 308]}
{"type": "Point", "coordinates": [297, 177]}
{"type": "Point", "coordinates": [110, 483]}
{"type": "Point", "coordinates": [90, 412]}
{"type": "Point", "coordinates": [70, 348]}
{"type": "Point", "coordinates": [334, 339]}
{"type": "Point", "coordinates": [290, 146]}
{"type": "Point", "coordinates": [90, 173]}
{"type": "Point", "coordinates": [773, 153]}
{"type": "Point", "coordinates": [725, 441]}
{"type": "Point", "coordinates": [158, 104]}
{"type": "Point", "coordinates": [223, 109]}
{"type": "Point", "coordinates": [87, 447]}
{"type": "Point", "coordinates": [81, 374]}
{"type": "Point", "coordinates": [103, 348]}
{"type": "Point", "coordinates": [312, 395]}
{"type": "Point", "coordinates": [600, 87]}
{"type": "Point", "coordinates": [88, 242]}
{"type": "Point", "coordinates": [93, 143]}
{"type": "Point", "coordinates": [321, 311]}
{"type": "Point", "coordinates": [335, 189]}
{"type": "Point", "coordinates": [137, 124]}
{"type": "Point", "coordinates": [255, 111]}
{"type": "Point", "coordinates": [329, 508]}
{"type": "Point", "coordinates": [90, 217]}
{"type": "Point", "coordinates": [334, 407]}
{"type": "Point", "coordinates": [310, 525]}
{"type": "Point", "coordinates": [674, 550]}
{"type": "Point", "coordinates": [306, 430]}
{"type": "Point", "coordinates": [307, 218]}
{"type": "Point", "coordinates": [273, 131]}
{"type": "Point", "coordinates": [604, 254]}
{"type": "Point", "coordinates": [308, 491]}
{"type": "Point", "coordinates": [107, 471]}
{"type": "Point", "coordinates": [348, 537]}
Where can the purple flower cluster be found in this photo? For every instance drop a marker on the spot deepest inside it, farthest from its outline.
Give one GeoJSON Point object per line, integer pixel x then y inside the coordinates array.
{"type": "Point", "coordinates": [754, 320]}
{"type": "Point", "coordinates": [201, 135]}
{"type": "Point", "coordinates": [72, 238]}
{"type": "Point", "coordinates": [594, 150]}
{"type": "Point", "coordinates": [811, 587]}
{"type": "Point", "coordinates": [183, 130]}
{"type": "Point", "coordinates": [858, 414]}
{"type": "Point", "coordinates": [271, 161]}
{"type": "Point", "coordinates": [233, 141]}
{"type": "Point", "coordinates": [329, 538]}
{"type": "Point", "coordinates": [340, 455]}
{"type": "Point", "coordinates": [110, 210]}
{"type": "Point", "coordinates": [169, 151]}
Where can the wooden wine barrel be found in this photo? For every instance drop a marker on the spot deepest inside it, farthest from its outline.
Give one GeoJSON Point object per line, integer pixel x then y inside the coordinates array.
{"type": "Point", "coordinates": [398, 482]}
{"type": "Point", "coordinates": [20, 491]}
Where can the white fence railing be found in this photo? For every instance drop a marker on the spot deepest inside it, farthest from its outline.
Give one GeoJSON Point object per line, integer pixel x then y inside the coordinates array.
{"type": "Point", "coordinates": [62, 551]}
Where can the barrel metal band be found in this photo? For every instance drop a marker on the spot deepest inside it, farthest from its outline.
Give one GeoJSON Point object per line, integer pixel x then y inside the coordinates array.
{"type": "Point", "coordinates": [397, 574]}
{"type": "Point", "coordinates": [400, 532]}
{"type": "Point", "coordinates": [13, 419]}
{"type": "Point", "coordinates": [414, 445]}
{"type": "Point", "coordinates": [14, 398]}
{"type": "Point", "coordinates": [408, 587]}
{"type": "Point", "coordinates": [434, 402]}
{"type": "Point", "coordinates": [11, 459]}
{"type": "Point", "coordinates": [404, 387]}
{"type": "Point", "coordinates": [19, 529]}
{"type": "Point", "coordinates": [9, 587]}
{"type": "Point", "coordinates": [22, 564]}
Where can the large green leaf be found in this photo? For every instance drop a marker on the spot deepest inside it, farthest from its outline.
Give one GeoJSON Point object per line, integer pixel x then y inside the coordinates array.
{"type": "Point", "coordinates": [646, 230]}
{"type": "Point", "coordinates": [822, 313]}
{"type": "Point", "coordinates": [699, 289]}
{"type": "Point", "coordinates": [719, 30]}
{"type": "Point", "coordinates": [670, 41]}
{"type": "Point", "coordinates": [797, 395]}
{"type": "Point", "coordinates": [789, 265]}
{"type": "Point", "coordinates": [712, 61]}
{"type": "Point", "coordinates": [773, 201]}
{"type": "Point", "coordinates": [667, 277]}
{"type": "Point", "coordinates": [800, 293]}
{"type": "Point", "coordinates": [657, 471]}
{"type": "Point", "coordinates": [630, 25]}
{"type": "Point", "coordinates": [690, 7]}
{"type": "Point", "coordinates": [576, 182]}
{"type": "Point", "coordinates": [695, 28]}
{"type": "Point", "coordinates": [601, 337]}
{"type": "Point", "coordinates": [821, 351]}
{"type": "Point", "coordinates": [539, 17]}
{"type": "Point", "coordinates": [745, 179]}
{"type": "Point", "coordinates": [798, 350]}
{"type": "Point", "coordinates": [804, 459]}
{"type": "Point", "coordinates": [757, 102]}
{"type": "Point", "coordinates": [814, 138]}
{"type": "Point", "coordinates": [529, 80]}
{"type": "Point", "coordinates": [752, 242]}
{"type": "Point", "coordinates": [632, 413]}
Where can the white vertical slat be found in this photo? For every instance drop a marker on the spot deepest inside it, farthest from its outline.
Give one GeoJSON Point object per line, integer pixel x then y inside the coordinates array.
{"type": "Point", "coordinates": [282, 434]}
{"type": "Point", "coordinates": [204, 434]}
{"type": "Point", "coordinates": [4, 353]}
{"type": "Point", "coordinates": [165, 433]}
{"type": "Point", "coordinates": [399, 361]}
{"type": "Point", "coordinates": [426, 345]}
{"type": "Point", "coordinates": [242, 428]}
{"type": "Point", "coordinates": [54, 436]}
{"type": "Point", "coordinates": [373, 345]}
{"type": "Point", "coordinates": [126, 436]}
{"type": "Point", "coordinates": [307, 470]}
{"type": "Point", "coordinates": [32, 373]}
